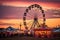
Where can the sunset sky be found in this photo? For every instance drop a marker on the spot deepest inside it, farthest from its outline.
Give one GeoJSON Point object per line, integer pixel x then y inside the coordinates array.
{"type": "Point", "coordinates": [11, 11]}
{"type": "Point", "coordinates": [24, 3]}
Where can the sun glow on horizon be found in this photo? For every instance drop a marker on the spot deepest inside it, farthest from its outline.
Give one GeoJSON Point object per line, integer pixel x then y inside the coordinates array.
{"type": "Point", "coordinates": [16, 23]}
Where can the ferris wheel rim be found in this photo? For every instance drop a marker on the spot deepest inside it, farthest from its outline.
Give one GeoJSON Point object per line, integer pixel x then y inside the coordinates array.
{"type": "Point", "coordinates": [29, 8]}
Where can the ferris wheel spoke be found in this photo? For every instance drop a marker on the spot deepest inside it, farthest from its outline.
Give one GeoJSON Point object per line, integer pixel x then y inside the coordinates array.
{"type": "Point", "coordinates": [29, 23]}
{"type": "Point", "coordinates": [39, 16]}
{"type": "Point", "coordinates": [29, 16]}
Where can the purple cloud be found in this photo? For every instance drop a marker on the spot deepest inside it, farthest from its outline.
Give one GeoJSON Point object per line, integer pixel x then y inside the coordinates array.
{"type": "Point", "coordinates": [17, 12]}
{"type": "Point", "coordinates": [34, 0]}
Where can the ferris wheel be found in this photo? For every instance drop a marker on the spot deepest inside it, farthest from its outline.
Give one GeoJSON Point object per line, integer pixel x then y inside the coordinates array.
{"type": "Point", "coordinates": [33, 15]}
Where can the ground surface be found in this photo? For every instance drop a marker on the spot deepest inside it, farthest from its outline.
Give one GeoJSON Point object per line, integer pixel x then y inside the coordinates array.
{"type": "Point", "coordinates": [27, 38]}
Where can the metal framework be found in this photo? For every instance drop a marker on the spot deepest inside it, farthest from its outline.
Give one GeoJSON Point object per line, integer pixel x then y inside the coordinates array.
{"type": "Point", "coordinates": [35, 17]}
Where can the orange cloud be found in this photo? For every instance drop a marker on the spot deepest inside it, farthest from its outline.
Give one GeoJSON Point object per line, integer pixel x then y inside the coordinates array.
{"type": "Point", "coordinates": [25, 4]}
